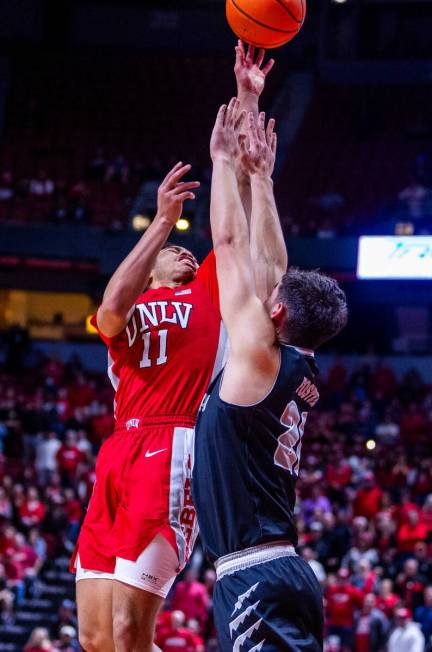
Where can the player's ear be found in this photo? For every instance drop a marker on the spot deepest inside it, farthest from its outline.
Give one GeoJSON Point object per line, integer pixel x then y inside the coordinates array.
{"type": "Point", "coordinates": [277, 313]}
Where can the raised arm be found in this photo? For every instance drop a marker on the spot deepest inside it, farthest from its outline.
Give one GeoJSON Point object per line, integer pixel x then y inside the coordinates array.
{"type": "Point", "coordinates": [132, 276]}
{"type": "Point", "coordinates": [267, 243]}
{"type": "Point", "coordinates": [251, 332]}
{"type": "Point", "coordinates": [250, 76]}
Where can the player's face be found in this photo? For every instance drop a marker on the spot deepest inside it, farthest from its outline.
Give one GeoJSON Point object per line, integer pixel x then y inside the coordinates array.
{"type": "Point", "coordinates": [176, 264]}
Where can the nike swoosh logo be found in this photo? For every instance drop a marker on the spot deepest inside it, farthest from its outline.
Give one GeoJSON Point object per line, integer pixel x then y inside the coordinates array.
{"type": "Point", "coordinates": [148, 454]}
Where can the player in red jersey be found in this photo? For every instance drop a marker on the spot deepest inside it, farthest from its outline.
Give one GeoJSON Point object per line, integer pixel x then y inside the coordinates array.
{"type": "Point", "coordinates": [164, 346]}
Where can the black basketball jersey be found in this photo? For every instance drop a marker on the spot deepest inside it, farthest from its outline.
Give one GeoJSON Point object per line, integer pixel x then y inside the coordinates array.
{"type": "Point", "coordinates": [246, 460]}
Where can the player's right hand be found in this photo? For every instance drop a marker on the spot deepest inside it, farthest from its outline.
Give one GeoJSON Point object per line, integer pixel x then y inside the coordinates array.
{"type": "Point", "coordinates": [250, 75]}
{"type": "Point", "coordinates": [173, 192]}
{"type": "Point", "coordinates": [258, 149]}
{"type": "Point", "coordinates": [224, 141]}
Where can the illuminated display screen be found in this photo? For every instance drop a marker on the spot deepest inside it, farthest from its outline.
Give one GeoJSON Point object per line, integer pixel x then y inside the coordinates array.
{"type": "Point", "coordinates": [393, 257]}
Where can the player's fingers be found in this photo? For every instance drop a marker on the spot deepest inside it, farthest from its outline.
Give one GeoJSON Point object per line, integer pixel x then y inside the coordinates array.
{"type": "Point", "coordinates": [185, 195]}
{"type": "Point", "coordinates": [220, 118]}
{"type": "Point", "coordinates": [176, 167]}
{"type": "Point", "coordinates": [269, 65]}
{"type": "Point", "coordinates": [240, 53]}
{"type": "Point", "coordinates": [260, 57]}
{"type": "Point", "coordinates": [239, 57]}
{"type": "Point", "coordinates": [274, 143]}
{"type": "Point", "coordinates": [232, 111]}
{"type": "Point", "coordinates": [239, 121]}
{"type": "Point", "coordinates": [269, 132]}
{"type": "Point", "coordinates": [252, 132]}
{"type": "Point", "coordinates": [250, 54]}
{"type": "Point", "coordinates": [177, 175]}
{"type": "Point", "coordinates": [261, 126]}
{"type": "Point", "coordinates": [186, 185]}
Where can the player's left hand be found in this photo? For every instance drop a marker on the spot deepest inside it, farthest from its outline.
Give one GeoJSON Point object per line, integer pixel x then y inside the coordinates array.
{"type": "Point", "coordinates": [249, 74]}
{"type": "Point", "coordinates": [257, 154]}
{"type": "Point", "coordinates": [225, 142]}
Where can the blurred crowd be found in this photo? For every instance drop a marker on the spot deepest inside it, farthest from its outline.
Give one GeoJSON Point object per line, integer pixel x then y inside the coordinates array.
{"type": "Point", "coordinates": [101, 193]}
{"type": "Point", "coordinates": [364, 509]}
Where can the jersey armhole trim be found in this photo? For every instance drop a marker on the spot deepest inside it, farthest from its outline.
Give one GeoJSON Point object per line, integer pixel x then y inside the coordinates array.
{"type": "Point", "coordinates": [307, 352]}
{"type": "Point", "coordinates": [251, 405]}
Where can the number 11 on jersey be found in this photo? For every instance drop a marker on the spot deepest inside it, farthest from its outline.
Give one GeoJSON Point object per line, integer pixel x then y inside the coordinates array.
{"type": "Point", "coordinates": [162, 357]}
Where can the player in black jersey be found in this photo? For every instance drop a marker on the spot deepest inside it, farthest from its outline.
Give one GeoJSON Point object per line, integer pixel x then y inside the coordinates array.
{"type": "Point", "coordinates": [249, 432]}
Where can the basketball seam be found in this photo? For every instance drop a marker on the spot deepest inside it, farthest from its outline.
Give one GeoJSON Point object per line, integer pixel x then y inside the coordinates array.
{"type": "Point", "coordinates": [283, 5]}
{"type": "Point", "coordinates": [254, 20]}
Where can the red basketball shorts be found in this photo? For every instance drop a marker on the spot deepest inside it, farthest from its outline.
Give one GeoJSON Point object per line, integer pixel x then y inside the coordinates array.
{"type": "Point", "coordinates": [142, 490]}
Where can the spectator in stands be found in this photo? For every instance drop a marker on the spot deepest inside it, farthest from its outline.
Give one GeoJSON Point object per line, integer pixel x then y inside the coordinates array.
{"type": "Point", "coordinates": [316, 505]}
{"type": "Point", "coordinates": [372, 628]}
{"type": "Point", "coordinates": [5, 505]}
{"type": "Point", "coordinates": [39, 545]}
{"type": "Point", "coordinates": [311, 557]}
{"type": "Point", "coordinates": [190, 597]}
{"type": "Point", "coordinates": [365, 578]}
{"type": "Point", "coordinates": [410, 584]}
{"type": "Point", "coordinates": [6, 598]}
{"type": "Point", "coordinates": [41, 186]}
{"type": "Point", "coordinates": [39, 641]}
{"type": "Point", "coordinates": [343, 600]}
{"type": "Point", "coordinates": [118, 170]}
{"type": "Point", "coordinates": [74, 513]}
{"type": "Point", "coordinates": [387, 600]}
{"type": "Point", "coordinates": [84, 444]}
{"type": "Point", "coordinates": [47, 447]}
{"type": "Point", "coordinates": [68, 641]}
{"type": "Point", "coordinates": [387, 431]}
{"type": "Point", "coordinates": [407, 635]}
{"type": "Point", "coordinates": [413, 198]}
{"type": "Point", "coordinates": [32, 510]}
{"type": "Point", "coordinates": [69, 457]}
{"type": "Point", "coordinates": [423, 615]}
{"type": "Point", "coordinates": [175, 637]}
{"type": "Point", "coordinates": [367, 502]}
{"type": "Point", "coordinates": [424, 560]}
{"type": "Point", "coordinates": [194, 627]}
{"type": "Point", "coordinates": [411, 532]}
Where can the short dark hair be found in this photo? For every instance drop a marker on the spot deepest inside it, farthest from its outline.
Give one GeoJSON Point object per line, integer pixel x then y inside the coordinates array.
{"type": "Point", "coordinates": [316, 308]}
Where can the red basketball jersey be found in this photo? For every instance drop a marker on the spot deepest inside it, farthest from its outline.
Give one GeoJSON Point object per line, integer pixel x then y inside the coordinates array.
{"type": "Point", "coordinates": [163, 361]}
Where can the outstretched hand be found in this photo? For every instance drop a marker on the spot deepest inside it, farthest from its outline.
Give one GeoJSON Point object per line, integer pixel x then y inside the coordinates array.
{"type": "Point", "coordinates": [258, 149]}
{"type": "Point", "coordinates": [173, 192]}
{"type": "Point", "coordinates": [225, 137]}
{"type": "Point", "coordinates": [249, 74]}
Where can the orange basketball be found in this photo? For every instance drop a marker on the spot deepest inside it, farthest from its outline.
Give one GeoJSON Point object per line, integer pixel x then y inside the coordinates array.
{"type": "Point", "coordinates": [266, 23]}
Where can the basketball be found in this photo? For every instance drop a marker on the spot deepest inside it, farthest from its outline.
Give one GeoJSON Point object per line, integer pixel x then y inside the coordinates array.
{"type": "Point", "coordinates": [266, 23]}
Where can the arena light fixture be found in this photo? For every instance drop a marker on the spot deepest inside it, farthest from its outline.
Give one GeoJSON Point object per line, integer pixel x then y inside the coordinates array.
{"type": "Point", "coordinates": [371, 444]}
{"type": "Point", "coordinates": [183, 224]}
{"type": "Point", "coordinates": [89, 326]}
{"type": "Point", "coordinates": [140, 222]}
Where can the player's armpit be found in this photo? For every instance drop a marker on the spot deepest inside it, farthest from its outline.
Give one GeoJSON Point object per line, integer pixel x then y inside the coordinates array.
{"type": "Point", "coordinates": [250, 373]}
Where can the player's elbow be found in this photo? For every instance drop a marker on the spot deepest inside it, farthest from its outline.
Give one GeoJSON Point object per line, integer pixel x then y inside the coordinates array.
{"type": "Point", "coordinates": [112, 315]}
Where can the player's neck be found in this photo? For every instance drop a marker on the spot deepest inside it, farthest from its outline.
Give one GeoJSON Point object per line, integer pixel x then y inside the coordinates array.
{"type": "Point", "coordinates": [163, 283]}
